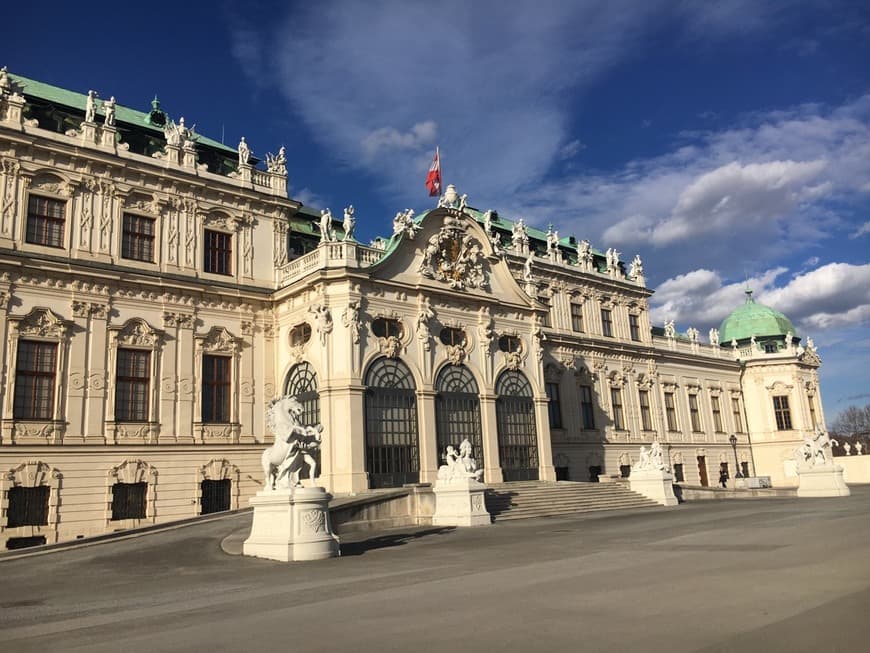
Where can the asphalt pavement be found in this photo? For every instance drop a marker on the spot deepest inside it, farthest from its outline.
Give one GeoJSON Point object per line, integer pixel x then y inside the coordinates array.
{"type": "Point", "coordinates": [769, 575]}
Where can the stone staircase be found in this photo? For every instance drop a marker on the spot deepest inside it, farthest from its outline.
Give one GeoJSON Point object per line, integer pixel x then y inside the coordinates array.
{"type": "Point", "coordinates": [526, 499]}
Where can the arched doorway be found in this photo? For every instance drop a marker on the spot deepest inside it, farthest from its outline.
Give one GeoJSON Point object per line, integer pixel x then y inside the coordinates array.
{"type": "Point", "coordinates": [392, 435]}
{"type": "Point", "coordinates": [457, 410]}
{"type": "Point", "coordinates": [517, 431]}
{"type": "Point", "coordinates": [301, 382]}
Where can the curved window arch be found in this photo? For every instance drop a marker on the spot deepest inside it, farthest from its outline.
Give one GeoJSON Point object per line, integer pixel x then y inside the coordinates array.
{"type": "Point", "coordinates": [517, 430]}
{"type": "Point", "coordinates": [457, 410]}
{"type": "Point", "coordinates": [301, 382]}
{"type": "Point", "coordinates": [392, 435]}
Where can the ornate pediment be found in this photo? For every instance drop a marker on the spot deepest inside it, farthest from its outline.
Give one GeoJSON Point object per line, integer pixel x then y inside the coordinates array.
{"type": "Point", "coordinates": [455, 257]}
{"type": "Point", "coordinates": [138, 333]}
{"type": "Point", "coordinates": [219, 340]}
{"type": "Point", "coordinates": [43, 323]}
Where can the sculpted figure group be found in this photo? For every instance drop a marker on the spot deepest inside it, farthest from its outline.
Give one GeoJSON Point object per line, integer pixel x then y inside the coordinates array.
{"type": "Point", "coordinates": [459, 465]}
{"type": "Point", "coordinates": [294, 445]}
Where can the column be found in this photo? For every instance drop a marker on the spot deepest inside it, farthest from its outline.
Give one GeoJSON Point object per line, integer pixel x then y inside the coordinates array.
{"type": "Point", "coordinates": [489, 425]}
{"type": "Point", "coordinates": [429, 454]}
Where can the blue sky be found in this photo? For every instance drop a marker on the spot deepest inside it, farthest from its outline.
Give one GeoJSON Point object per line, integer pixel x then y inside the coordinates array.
{"type": "Point", "coordinates": [726, 142]}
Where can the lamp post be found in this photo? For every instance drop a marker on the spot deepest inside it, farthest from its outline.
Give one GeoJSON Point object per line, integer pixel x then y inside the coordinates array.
{"type": "Point", "coordinates": [733, 441]}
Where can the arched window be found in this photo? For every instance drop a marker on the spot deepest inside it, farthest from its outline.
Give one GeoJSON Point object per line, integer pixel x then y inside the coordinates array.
{"type": "Point", "coordinates": [301, 382]}
{"type": "Point", "coordinates": [517, 432]}
{"type": "Point", "coordinates": [457, 410]}
{"type": "Point", "coordinates": [392, 436]}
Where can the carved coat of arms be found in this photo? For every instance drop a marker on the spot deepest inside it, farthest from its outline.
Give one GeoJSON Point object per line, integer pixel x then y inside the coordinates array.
{"type": "Point", "coordinates": [454, 257]}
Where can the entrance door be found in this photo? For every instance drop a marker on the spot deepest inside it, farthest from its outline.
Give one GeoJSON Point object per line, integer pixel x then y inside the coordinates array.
{"type": "Point", "coordinates": [392, 436]}
{"type": "Point", "coordinates": [702, 470]}
{"type": "Point", "coordinates": [517, 432]}
{"type": "Point", "coordinates": [457, 411]}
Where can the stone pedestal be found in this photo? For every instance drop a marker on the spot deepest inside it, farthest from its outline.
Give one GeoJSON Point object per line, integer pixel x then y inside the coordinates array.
{"type": "Point", "coordinates": [460, 502]}
{"type": "Point", "coordinates": [291, 525]}
{"type": "Point", "coordinates": [822, 481]}
{"type": "Point", "coordinates": [654, 484]}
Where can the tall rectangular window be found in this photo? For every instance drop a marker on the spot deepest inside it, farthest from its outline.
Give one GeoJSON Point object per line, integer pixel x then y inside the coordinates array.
{"type": "Point", "coordinates": [128, 500]}
{"type": "Point", "coordinates": [137, 240]}
{"type": "Point", "coordinates": [587, 409]}
{"type": "Point", "coordinates": [694, 413]}
{"type": "Point", "coordinates": [634, 326]}
{"type": "Point", "coordinates": [645, 417]}
{"type": "Point", "coordinates": [670, 411]}
{"type": "Point", "coordinates": [717, 413]}
{"type": "Point", "coordinates": [616, 401]}
{"type": "Point", "coordinates": [35, 372]}
{"type": "Point", "coordinates": [782, 413]}
{"type": "Point", "coordinates": [216, 389]}
{"type": "Point", "coordinates": [28, 506]}
{"type": "Point", "coordinates": [735, 412]}
{"type": "Point", "coordinates": [45, 221]}
{"type": "Point", "coordinates": [217, 252]}
{"type": "Point", "coordinates": [554, 408]}
{"type": "Point", "coordinates": [132, 382]}
{"type": "Point", "coordinates": [577, 318]}
{"type": "Point", "coordinates": [606, 322]}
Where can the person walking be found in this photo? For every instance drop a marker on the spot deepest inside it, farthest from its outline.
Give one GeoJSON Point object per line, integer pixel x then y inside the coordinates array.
{"type": "Point", "coordinates": [723, 478]}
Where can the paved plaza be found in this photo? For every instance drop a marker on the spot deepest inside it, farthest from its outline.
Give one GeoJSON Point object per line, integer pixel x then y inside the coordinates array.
{"type": "Point", "coordinates": [743, 575]}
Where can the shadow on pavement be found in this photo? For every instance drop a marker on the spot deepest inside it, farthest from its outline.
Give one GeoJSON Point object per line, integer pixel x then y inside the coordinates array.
{"type": "Point", "coordinates": [385, 541]}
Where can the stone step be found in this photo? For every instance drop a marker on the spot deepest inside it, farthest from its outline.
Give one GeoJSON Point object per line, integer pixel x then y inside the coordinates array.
{"type": "Point", "coordinates": [527, 499]}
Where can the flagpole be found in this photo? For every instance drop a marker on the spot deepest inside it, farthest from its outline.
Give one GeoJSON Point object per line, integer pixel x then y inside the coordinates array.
{"type": "Point", "coordinates": [440, 174]}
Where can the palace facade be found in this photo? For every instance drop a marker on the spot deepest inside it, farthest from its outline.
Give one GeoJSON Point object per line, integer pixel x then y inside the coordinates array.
{"type": "Point", "coordinates": [160, 289]}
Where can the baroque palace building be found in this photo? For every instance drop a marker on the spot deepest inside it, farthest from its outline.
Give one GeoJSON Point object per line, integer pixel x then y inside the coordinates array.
{"type": "Point", "coordinates": [160, 289]}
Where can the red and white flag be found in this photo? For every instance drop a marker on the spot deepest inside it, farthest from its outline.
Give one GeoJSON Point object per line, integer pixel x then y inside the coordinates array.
{"type": "Point", "coordinates": [433, 179]}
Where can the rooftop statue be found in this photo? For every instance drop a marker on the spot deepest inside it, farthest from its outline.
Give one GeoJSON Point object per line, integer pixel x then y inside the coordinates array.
{"type": "Point", "coordinates": [487, 223]}
{"type": "Point", "coordinates": [277, 162]}
{"type": "Point", "coordinates": [714, 337]}
{"type": "Point", "coordinates": [4, 81]}
{"type": "Point", "coordinates": [91, 106]}
{"type": "Point", "coordinates": [519, 234]}
{"type": "Point", "coordinates": [693, 334]}
{"type": "Point", "coordinates": [294, 445]}
{"type": "Point", "coordinates": [109, 110]}
{"type": "Point", "coordinates": [403, 223]}
{"type": "Point", "coordinates": [527, 268]}
{"type": "Point", "coordinates": [636, 269]}
{"type": "Point", "coordinates": [552, 239]}
{"type": "Point", "coordinates": [244, 152]}
{"type": "Point", "coordinates": [327, 234]}
{"type": "Point", "coordinates": [670, 329]}
{"type": "Point", "coordinates": [349, 223]}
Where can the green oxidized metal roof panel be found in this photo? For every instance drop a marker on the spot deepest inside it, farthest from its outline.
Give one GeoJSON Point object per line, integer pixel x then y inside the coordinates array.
{"type": "Point", "coordinates": [753, 319]}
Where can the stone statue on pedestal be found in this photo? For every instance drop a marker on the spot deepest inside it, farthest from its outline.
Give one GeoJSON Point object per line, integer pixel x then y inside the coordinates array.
{"type": "Point", "coordinates": [294, 444]}
{"type": "Point", "coordinates": [91, 106]}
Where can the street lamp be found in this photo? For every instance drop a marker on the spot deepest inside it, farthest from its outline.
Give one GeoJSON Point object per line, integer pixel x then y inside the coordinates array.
{"type": "Point", "coordinates": [733, 441]}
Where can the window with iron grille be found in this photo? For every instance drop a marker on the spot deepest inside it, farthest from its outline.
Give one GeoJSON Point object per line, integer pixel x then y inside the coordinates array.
{"type": "Point", "coordinates": [451, 336]}
{"type": "Point", "coordinates": [128, 500]}
{"type": "Point", "coordinates": [735, 411]}
{"type": "Point", "coordinates": [132, 382]}
{"type": "Point", "coordinates": [606, 322]}
{"type": "Point", "coordinates": [384, 327]}
{"type": "Point", "coordinates": [45, 221]}
{"type": "Point", "coordinates": [216, 389]}
{"type": "Point", "coordinates": [214, 496]}
{"type": "Point", "coordinates": [645, 417]}
{"type": "Point", "coordinates": [670, 411]}
{"type": "Point", "coordinates": [717, 413]}
{"type": "Point", "coordinates": [554, 408]}
{"type": "Point", "coordinates": [509, 344]}
{"type": "Point", "coordinates": [35, 372]}
{"type": "Point", "coordinates": [217, 252]}
{"type": "Point", "coordinates": [300, 334]}
{"type": "Point", "coordinates": [587, 408]}
{"type": "Point", "coordinates": [577, 318]}
{"type": "Point", "coordinates": [28, 506]}
{"type": "Point", "coordinates": [616, 401]}
{"type": "Point", "coordinates": [137, 239]}
{"type": "Point", "coordinates": [678, 473]}
{"type": "Point", "coordinates": [782, 413]}
{"type": "Point", "coordinates": [634, 326]}
{"type": "Point", "coordinates": [694, 413]}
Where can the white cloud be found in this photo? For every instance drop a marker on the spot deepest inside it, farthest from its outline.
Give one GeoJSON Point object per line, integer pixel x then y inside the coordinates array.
{"type": "Point", "coordinates": [835, 295]}
{"type": "Point", "coordinates": [863, 230]}
{"type": "Point", "coordinates": [570, 150]}
{"type": "Point", "coordinates": [388, 138]}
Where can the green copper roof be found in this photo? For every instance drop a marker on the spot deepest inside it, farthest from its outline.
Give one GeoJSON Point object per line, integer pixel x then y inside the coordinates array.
{"type": "Point", "coordinates": [753, 319]}
{"type": "Point", "coordinates": [73, 100]}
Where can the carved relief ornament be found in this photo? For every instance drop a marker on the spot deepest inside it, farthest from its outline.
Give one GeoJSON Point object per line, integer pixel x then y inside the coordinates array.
{"type": "Point", "coordinates": [454, 257]}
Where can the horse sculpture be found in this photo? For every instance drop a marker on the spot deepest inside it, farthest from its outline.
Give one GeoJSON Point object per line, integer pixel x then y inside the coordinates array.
{"type": "Point", "coordinates": [816, 449]}
{"type": "Point", "coordinates": [293, 443]}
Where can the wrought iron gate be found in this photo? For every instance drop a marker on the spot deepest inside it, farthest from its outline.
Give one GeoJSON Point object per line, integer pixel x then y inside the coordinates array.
{"type": "Point", "coordinates": [215, 496]}
{"type": "Point", "coordinates": [457, 411]}
{"type": "Point", "coordinates": [517, 431]}
{"type": "Point", "coordinates": [392, 436]}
